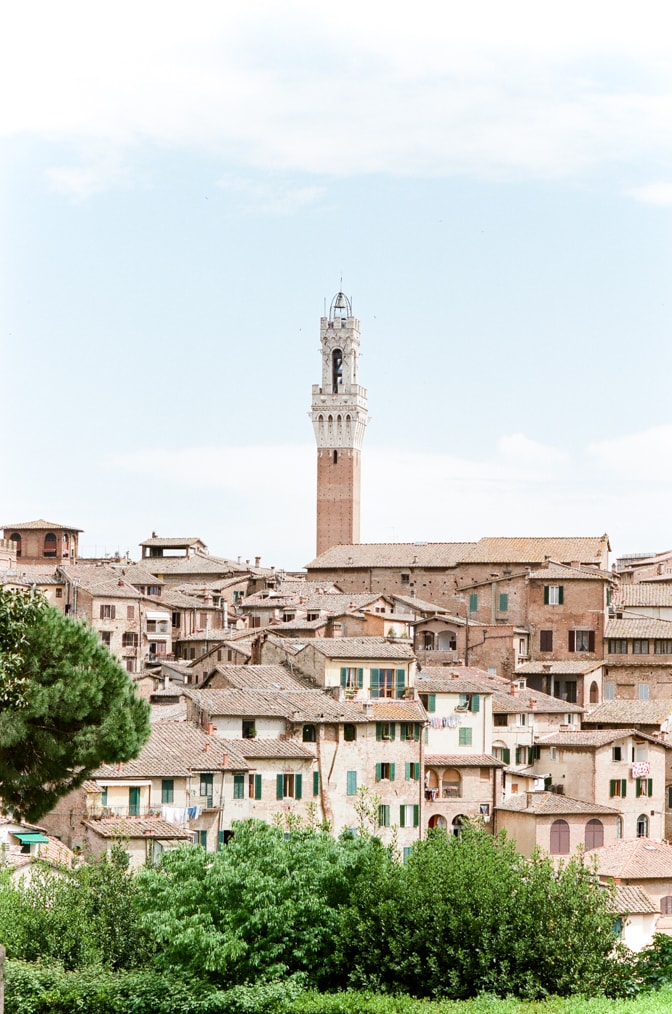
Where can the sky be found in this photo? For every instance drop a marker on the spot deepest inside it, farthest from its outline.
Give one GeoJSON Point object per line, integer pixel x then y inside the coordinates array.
{"type": "Point", "coordinates": [183, 186]}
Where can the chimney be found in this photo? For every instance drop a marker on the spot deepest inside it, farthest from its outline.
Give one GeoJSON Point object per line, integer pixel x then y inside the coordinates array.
{"type": "Point", "coordinates": [207, 748]}
{"type": "Point", "coordinates": [257, 561]}
{"type": "Point", "coordinates": [533, 703]}
{"type": "Point", "coordinates": [225, 760]}
{"type": "Point", "coordinates": [513, 689]}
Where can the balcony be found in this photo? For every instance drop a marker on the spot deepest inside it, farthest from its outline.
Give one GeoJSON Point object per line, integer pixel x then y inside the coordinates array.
{"type": "Point", "coordinates": [100, 812]}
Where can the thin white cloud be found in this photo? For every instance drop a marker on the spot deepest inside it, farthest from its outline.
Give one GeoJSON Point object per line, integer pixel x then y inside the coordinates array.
{"type": "Point", "coordinates": [635, 456]}
{"type": "Point", "coordinates": [659, 194]}
{"type": "Point", "coordinates": [507, 89]}
{"type": "Point", "coordinates": [270, 196]}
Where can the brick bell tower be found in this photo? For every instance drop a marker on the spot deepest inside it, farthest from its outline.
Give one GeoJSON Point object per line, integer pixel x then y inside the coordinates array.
{"type": "Point", "coordinates": [339, 419]}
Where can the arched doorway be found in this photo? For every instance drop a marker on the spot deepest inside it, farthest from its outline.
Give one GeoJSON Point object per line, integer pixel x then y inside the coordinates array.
{"type": "Point", "coordinates": [437, 820]}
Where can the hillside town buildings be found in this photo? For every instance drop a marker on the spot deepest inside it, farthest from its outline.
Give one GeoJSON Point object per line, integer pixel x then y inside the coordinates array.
{"type": "Point", "coordinates": [520, 682]}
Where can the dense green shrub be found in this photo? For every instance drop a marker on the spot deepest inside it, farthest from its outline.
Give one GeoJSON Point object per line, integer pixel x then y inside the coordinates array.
{"type": "Point", "coordinates": [653, 967]}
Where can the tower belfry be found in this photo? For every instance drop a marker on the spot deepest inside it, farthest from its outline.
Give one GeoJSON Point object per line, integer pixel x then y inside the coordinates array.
{"type": "Point", "coordinates": [339, 419]}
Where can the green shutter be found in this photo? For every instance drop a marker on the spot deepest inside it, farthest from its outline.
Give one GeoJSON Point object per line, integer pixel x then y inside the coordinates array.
{"type": "Point", "coordinates": [402, 732]}
{"type": "Point", "coordinates": [257, 786]}
{"type": "Point", "coordinates": [203, 839]}
{"type": "Point", "coordinates": [352, 783]}
{"type": "Point", "coordinates": [432, 703]}
{"type": "Point", "coordinates": [561, 594]}
{"type": "Point", "coordinates": [298, 784]}
{"type": "Point", "coordinates": [503, 602]}
{"type": "Point", "coordinates": [638, 787]}
{"type": "Point", "coordinates": [238, 786]}
{"type": "Point", "coordinates": [401, 683]}
{"type": "Point", "coordinates": [375, 682]}
{"type": "Point", "coordinates": [379, 772]}
{"type": "Point", "coordinates": [408, 771]}
{"type": "Point", "coordinates": [624, 787]}
{"type": "Point", "coordinates": [360, 678]}
{"type": "Point", "coordinates": [279, 786]}
{"type": "Point", "coordinates": [379, 731]}
{"type": "Point", "coordinates": [402, 816]}
{"type": "Point", "coordinates": [650, 787]}
{"type": "Point", "coordinates": [416, 815]}
{"type": "Point", "coordinates": [519, 754]}
{"type": "Point", "coordinates": [507, 755]}
{"type": "Point", "coordinates": [545, 594]}
{"type": "Point", "coordinates": [392, 772]}
{"type": "Point", "coordinates": [393, 730]}
{"type": "Point", "coordinates": [316, 783]}
{"type": "Point", "coordinates": [220, 841]}
{"type": "Point", "coordinates": [473, 602]}
{"type": "Point", "coordinates": [416, 732]}
{"type": "Point", "coordinates": [344, 676]}
{"type": "Point", "coordinates": [475, 702]}
{"type": "Point", "coordinates": [612, 788]}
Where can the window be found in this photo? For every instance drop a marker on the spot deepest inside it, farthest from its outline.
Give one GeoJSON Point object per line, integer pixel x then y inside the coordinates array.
{"type": "Point", "coordinates": [316, 783]}
{"type": "Point", "coordinates": [617, 646]}
{"type": "Point", "coordinates": [559, 838]}
{"type": "Point", "coordinates": [428, 702]}
{"type": "Point", "coordinates": [642, 691]}
{"type": "Point", "coordinates": [309, 734]}
{"type": "Point", "coordinates": [352, 678]}
{"type": "Point", "coordinates": [254, 786]}
{"type": "Point", "coordinates": [501, 752]}
{"type": "Point", "coordinates": [619, 828]}
{"type": "Point", "coordinates": [59, 593]}
{"type": "Point", "coordinates": [129, 639]}
{"type": "Point", "coordinates": [249, 728]}
{"type": "Point", "coordinates": [351, 783]}
{"type": "Point", "coordinates": [642, 826]}
{"type": "Point", "coordinates": [554, 594]}
{"type": "Point", "coordinates": [409, 815]}
{"type": "Point", "coordinates": [407, 853]}
{"type": "Point", "coordinates": [349, 732]}
{"type": "Point", "coordinates": [388, 682]}
{"type": "Point", "coordinates": [469, 702]}
{"type": "Point", "coordinates": [581, 640]}
{"type": "Point", "coordinates": [473, 602]}
{"type": "Point", "coordinates": [594, 834]}
{"type": "Point", "coordinates": [49, 545]}
{"type": "Point", "coordinates": [640, 646]}
{"type": "Point", "coordinates": [412, 771]}
{"type": "Point", "coordinates": [288, 786]}
{"type": "Point", "coordinates": [203, 839]}
{"type": "Point", "coordinates": [206, 787]}
{"type": "Point", "coordinates": [503, 602]}
{"type": "Point", "coordinates": [167, 790]}
{"type": "Point", "coordinates": [640, 752]}
{"type": "Point", "coordinates": [384, 772]}
{"type": "Point", "coordinates": [288, 617]}
{"type": "Point", "coordinates": [384, 815]}
{"type": "Point", "coordinates": [409, 731]}
{"type": "Point", "coordinates": [103, 796]}
{"type": "Point", "coordinates": [521, 718]}
{"type": "Point", "coordinates": [134, 802]}
{"type": "Point", "coordinates": [545, 640]}
{"type": "Point", "coordinates": [405, 578]}
{"type": "Point", "coordinates": [618, 788]}
{"type": "Point", "coordinates": [666, 905]}
{"type": "Point", "coordinates": [106, 637]}
{"type": "Point", "coordinates": [16, 539]}
{"type": "Point", "coordinates": [312, 616]}
{"type": "Point", "coordinates": [130, 664]}
{"type": "Point", "coordinates": [662, 647]}
{"type": "Point", "coordinates": [108, 612]}
{"type": "Point", "coordinates": [464, 737]}
{"type": "Point", "coordinates": [155, 589]}
{"type": "Point", "coordinates": [616, 753]}
{"type": "Point", "coordinates": [643, 787]}
{"type": "Point", "coordinates": [609, 691]}
{"type": "Point", "coordinates": [385, 731]}
{"type": "Point", "coordinates": [239, 786]}
{"type": "Point", "coordinates": [501, 720]}
{"type": "Point", "coordinates": [451, 784]}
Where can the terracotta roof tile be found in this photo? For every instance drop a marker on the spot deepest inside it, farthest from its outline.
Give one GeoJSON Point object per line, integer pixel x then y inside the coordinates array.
{"type": "Point", "coordinates": [400, 554]}
{"type": "Point", "coordinates": [172, 750]}
{"type": "Point", "coordinates": [557, 668]}
{"type": "Point", "coordinates": [633, 900]}
{"type": "Point", "coordinates": [583, 738]}
{"type": "Point", "coordinates": [38, 525]}
{"type": "Point", "coordinates": [634, 713]}
{"type": "Point", "coordinates": [362, 647]}
{"type": "Point", "coordinates": [565, 549]}
{"type": "Point", "coordinates": [649, 594]}
{"type": "Point", "coordinates": [259, 677]}
{"type": "Point", "coordinates": [552, 803]}
{"type": "Point", "coordinates": [458, 760]}
{"type": "Point", "coordinates": [639, 627]}
{"type": "Point", "coordinates": [635, 859]}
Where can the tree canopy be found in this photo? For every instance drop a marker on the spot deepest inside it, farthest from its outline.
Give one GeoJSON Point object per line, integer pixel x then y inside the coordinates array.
{"type": "Point", "coordinates": [66, 705]}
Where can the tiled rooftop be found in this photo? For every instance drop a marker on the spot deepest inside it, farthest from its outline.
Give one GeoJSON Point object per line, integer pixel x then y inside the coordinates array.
{"type": "Point", "coordinates": [632, 900]}
{"type": "Point", "coordinates": [635, 859]}
{"type": "Point", "coordinates": [591, 737]}
{"type": "Point", "coordinates": [552, 803]}
{"type": "Point", "coordinates": [393, 554]}
{"type": "Point", "coordinates": [619, 712]}
{"type": "Point", "coordinates": [260, 677]}
{"type": "Point", "coordinates": [24, 526]}
{"type": "Point", "coordinates": [648, 594]}
{"type": "Point", "coordinates": [173, 748]}
{"type": "Point", "coordinates": [458, 760]}
{"type": "Point", "coordinates": [639, 627]}
{"type": "Point", "coordinates": [361, 647]}
{"type": "Point", "coordinates": [294, 705]}
{"type": "Point", "coordinates": [557, 668]}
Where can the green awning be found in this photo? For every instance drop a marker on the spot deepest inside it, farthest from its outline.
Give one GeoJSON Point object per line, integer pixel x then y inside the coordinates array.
{"type": "Point", "coordinates": [32, 837]}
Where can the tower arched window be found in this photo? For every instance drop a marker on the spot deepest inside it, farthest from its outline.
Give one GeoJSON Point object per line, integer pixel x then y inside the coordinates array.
{"type": "Point", "coordinates": [336, 370]}
{"type": "Point", "coordinates": [594, 693]}
{"type": "Point", "coordinates": [16, 539]}
{"type": "Point", "coordinates": [559, 838]}
{"type": "Point", "coordinates": [594, 834]}
{"type": "Point", "coordinates": [642, 826]}
{"type": "Point", "coordinates": [49, 545]}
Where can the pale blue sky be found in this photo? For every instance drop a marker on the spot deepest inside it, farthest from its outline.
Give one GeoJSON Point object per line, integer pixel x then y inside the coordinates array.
{"type": "Point", "coordinates": [183, 187]}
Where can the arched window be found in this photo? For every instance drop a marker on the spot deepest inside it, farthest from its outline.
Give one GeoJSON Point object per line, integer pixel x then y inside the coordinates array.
{"type": "Point", "coordinates": [309, 735]}
{"type": "Point", "coordinates": [619, 827]}
{"type": "Point", "coordinates": [427, 640]}
{"type": "Point", "coordinates": [436, 820]}
{"type": "Point", "coordinates": [559, 838]}
{"type": "Point", "coordinates": [451, 784]}
{"type": "Point", "coordinates": [16, 539]}
{"type": "Point", "coordinates": [336, 370]}
{"type": "Point", "coordinates": [594, 834]}
{"type": "Point", "coordinates": [642, 826]}
{"type": "Point", "coordinates": [666, 905]}
{"type": "Point", "coordinates": [447, 640]}
{"type": "Point", "coordinates": [458, 824]}
{"type": "Point", "coordinates": [594, 695]}
{"type": "Point", "coordinates": [49, 545]}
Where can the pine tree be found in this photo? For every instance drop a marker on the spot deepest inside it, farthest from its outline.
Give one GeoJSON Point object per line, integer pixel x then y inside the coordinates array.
{"type": "Point", "coordinates": [66, 705]}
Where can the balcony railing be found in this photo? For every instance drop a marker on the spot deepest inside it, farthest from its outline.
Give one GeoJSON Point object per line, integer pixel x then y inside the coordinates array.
{"type": "Point", "coordinates": [99, 812]}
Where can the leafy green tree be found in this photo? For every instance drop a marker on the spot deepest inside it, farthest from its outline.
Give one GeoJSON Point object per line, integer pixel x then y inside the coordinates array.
{"type": "Point", "coordinates": [66, 705]}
